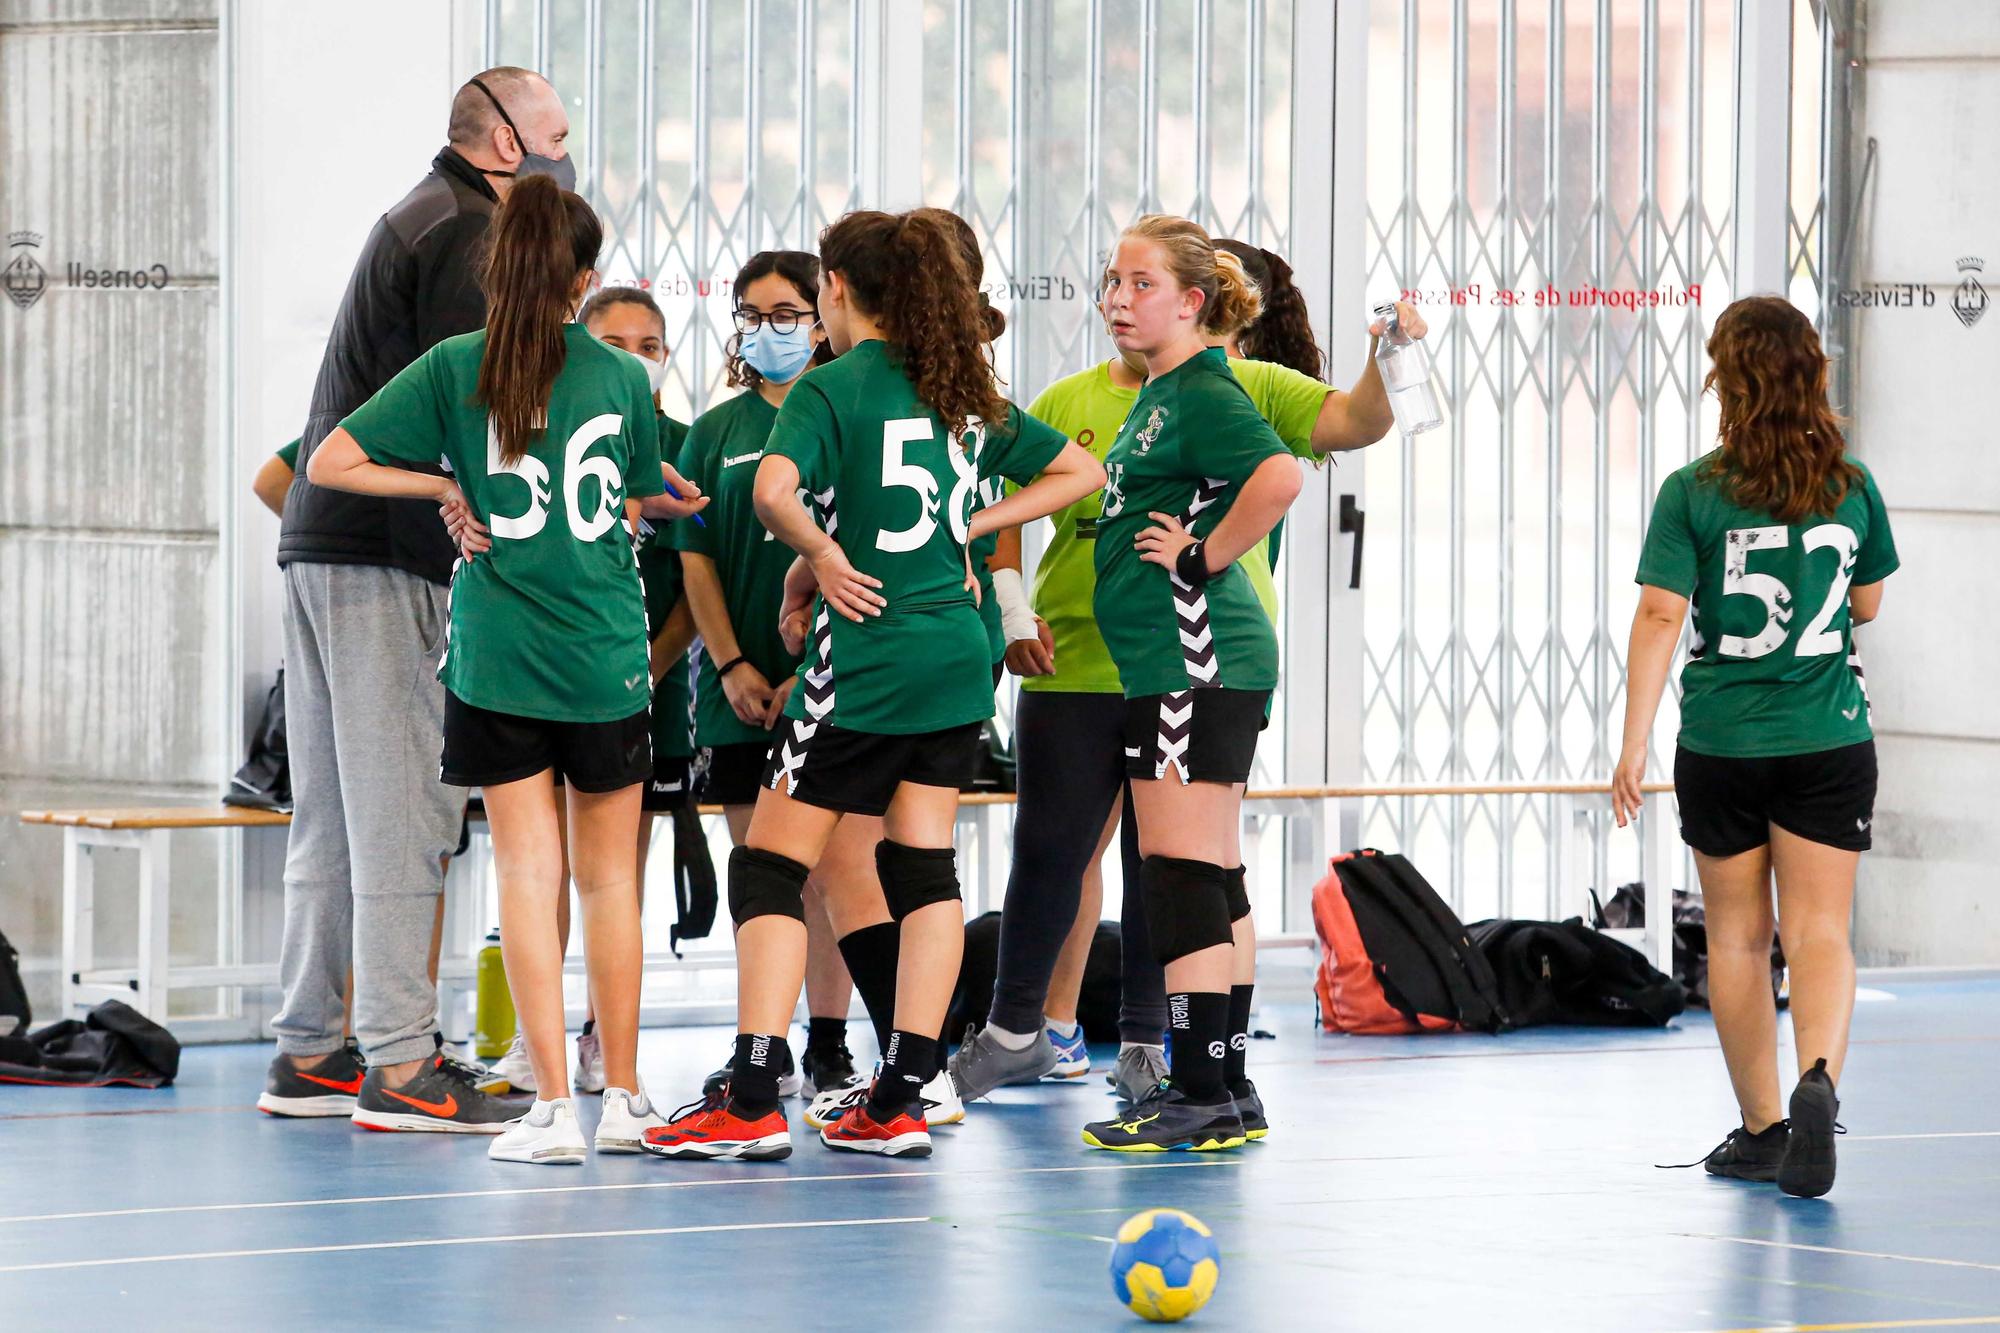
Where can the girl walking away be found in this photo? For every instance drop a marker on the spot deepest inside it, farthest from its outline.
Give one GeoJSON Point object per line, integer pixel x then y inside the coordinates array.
{"type": "Point", "coordinates": [1780, 542]}
{"type": "Point", "coordinates": [897, 680]}
{"type": "Point", "coordinates": [735, 575]}
{"type": "Point", "coordinates": [1196, 478]}
{"type": "Point", "coordinates": [551, 440]}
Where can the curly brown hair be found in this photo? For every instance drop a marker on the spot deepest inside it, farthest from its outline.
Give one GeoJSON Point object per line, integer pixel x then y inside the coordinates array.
{"type": "Point", "coordinates": [1782, 451]}
{"type": "Point", "coordinates": [905, 270]}
{"type": "Point", "coordinates": [1283, 333]}
{"type": "Point", "coordinates": [975, 264]}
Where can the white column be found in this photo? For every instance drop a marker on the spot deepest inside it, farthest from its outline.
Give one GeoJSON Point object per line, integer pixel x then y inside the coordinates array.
{"type": "Point", "coordinates": [1763, 72]}
{"type": "Point", "coordinates": [890, 76]}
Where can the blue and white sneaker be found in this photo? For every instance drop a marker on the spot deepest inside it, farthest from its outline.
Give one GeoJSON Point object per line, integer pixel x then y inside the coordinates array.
{"type": "Point", "coordinates": [1072, 1054]}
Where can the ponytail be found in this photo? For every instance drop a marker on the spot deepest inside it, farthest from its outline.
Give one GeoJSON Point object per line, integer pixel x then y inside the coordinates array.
{"type": "Point", "coordinates": [1229, 298]}
{"type": "Point", "coordinates": [543, 239]}
{"type": "Point", "coordinates": [908, 272]}
{"type": "Point", "coordinates": [1283, 333]}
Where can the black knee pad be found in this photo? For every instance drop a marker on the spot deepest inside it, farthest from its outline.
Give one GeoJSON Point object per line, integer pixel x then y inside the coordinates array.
{"type": "Point", "coordinates": [1239, 893]}
{"type": "Point", "coordinates": [1187, 906]}
{"type": "Point", "coordinates": [915, 877]}
{"type": "Point", "coordinates": [765, 884]}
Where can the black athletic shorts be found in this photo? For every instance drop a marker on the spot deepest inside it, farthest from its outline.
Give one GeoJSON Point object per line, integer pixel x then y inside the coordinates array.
{"type": "Point", "coordinates": [483, 748]}
{"type": "Point", "coordinates": [670, 785]}
{"type": "Point", "coordinates": [1728, 805]}
{"type": "Point", "coordinates": [857, 772]}
{"type": "Point", "coordinates": [1198, 735]}
{"type": "Point", "coordinates": [731, 774]}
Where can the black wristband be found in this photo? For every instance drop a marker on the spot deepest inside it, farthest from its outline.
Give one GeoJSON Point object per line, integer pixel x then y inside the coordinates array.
{"type": "Point", "coordinates": [1191, 565]}
{"type": "Point", "coordinates": [730, 665]}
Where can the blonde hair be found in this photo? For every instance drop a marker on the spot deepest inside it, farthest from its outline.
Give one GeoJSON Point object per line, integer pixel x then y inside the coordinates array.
{"type": "Point", "coordinates": [1230, 301]}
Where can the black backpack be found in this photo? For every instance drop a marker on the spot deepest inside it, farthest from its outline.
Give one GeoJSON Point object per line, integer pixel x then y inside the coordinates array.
{"type": "Point", "coordinates": [1418, 947]}
{"type": "Point", "coordinates": [1567, 973]}
{"type": "Point", "coordinates": [265, 780]}
{"type": "Point", "coordinates": [1097, 1001]}
{"type": "Point", "coordinates": [13, 992]}
{"type": "Point", "coordinates": [1627, 908]}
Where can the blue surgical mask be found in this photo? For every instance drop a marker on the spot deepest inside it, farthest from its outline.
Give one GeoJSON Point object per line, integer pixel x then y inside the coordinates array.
{"type": "Point", "coordinates": [778, 357]}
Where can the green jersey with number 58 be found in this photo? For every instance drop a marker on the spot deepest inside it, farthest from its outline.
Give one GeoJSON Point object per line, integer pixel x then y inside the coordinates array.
{"type": "Point", "coordinates": [1772, 668]}
{"type": "Point", "coordinates": [550, 623]}
{"type": "Point", "coordinates": [897, 493]}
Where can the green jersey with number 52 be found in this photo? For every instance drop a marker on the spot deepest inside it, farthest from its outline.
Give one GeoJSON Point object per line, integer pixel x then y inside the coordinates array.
{"type": "Point", "coordinates": [1772, 668]}
{"type": "Point", "coordinates": [897, 493]}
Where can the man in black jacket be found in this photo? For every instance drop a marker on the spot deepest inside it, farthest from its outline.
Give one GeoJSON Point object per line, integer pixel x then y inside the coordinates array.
{"type": "Point", "coordinates": [365, 621]}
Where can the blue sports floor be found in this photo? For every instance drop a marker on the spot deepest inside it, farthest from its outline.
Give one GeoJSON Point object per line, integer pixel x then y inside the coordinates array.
{"type": "Point", "coordinates": [1419, 1183]}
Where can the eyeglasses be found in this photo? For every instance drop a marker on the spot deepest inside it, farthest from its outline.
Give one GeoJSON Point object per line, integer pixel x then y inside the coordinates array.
{"type": "Point", "coordinates": [748, 319]}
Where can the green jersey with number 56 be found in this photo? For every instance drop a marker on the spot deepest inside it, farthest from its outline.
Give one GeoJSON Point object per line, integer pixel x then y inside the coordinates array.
{"type": "Point", "coordinates": [550, 623]}
{"type": "Point", "coordinates": [897, 493]}
{"type": "Point", "coordinates": [1772, 669]}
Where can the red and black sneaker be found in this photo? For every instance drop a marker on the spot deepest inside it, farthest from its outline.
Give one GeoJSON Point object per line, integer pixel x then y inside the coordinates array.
{"type": "Point", "coordinates": [442, 1097]}
{"type": "Point", "coordinates": [905, 1134]}
{"type": "Point", "coordinates": [712, 1128]}
{"type": "Point", "coordinates": [327, 1089]}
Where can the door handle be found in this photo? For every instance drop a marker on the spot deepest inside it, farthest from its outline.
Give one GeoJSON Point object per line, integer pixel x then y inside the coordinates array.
{"type": "Point", "coordinates": [1354, 519]}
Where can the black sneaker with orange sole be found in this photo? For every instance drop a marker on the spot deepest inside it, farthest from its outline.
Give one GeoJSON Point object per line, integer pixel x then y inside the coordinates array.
{"type": "Point", "coordinates": [442, 1098]}
{"type": "Point", "coordinates": [327, 1089]}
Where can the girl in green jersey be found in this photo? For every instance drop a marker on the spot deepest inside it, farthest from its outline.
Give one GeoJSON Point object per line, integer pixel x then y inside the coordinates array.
{"type": "Point", "coordinates": [550, 443]}
{"type": "Point", "coordinates": [1780, 544]}
{"type": "Point", "coordinates": [736, 575]}
{"type": "Point", "coordinates": [896, 682]}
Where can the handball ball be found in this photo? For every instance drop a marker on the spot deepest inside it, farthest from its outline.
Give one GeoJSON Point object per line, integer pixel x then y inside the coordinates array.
{"type": "Point", "coordinates": [1164, 1265]}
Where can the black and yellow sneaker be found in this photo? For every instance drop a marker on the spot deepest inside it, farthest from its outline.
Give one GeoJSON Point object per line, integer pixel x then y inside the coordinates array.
{"type": "Point", "coordinates": [327, 1089]}
{"type": "Point", "coordinates": [443, 1097]}
{"type": "Point", "coordinates": [1250, 1109]}
{"type": "Point", "coordinates": [1168, 1120]}
{"type": "Point", "coordinates": [1807, 1169]}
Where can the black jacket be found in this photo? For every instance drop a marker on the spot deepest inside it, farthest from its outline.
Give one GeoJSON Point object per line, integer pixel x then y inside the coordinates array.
{"type": "Point", "coordinates": [416, 284]}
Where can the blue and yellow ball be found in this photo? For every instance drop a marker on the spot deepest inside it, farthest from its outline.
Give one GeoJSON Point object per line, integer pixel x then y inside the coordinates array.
{"type": "Point", "coordinates": [1164, 1265]}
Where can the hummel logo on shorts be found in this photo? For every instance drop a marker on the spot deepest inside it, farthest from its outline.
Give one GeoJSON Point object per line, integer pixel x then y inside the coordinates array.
{"type": "Point", "coordinates": [1131, 752]}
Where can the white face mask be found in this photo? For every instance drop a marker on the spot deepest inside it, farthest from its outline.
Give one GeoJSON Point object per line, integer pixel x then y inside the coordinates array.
{"type": "Point", "coordinates": [656, 371]}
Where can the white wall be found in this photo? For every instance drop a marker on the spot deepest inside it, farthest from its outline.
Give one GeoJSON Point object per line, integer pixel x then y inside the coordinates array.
{"type": "Point", "coordinates": [1926, 399]}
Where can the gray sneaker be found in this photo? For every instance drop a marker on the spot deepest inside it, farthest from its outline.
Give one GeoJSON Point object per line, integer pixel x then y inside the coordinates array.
{"type": "Point", "coordinates": [1138, 1071]}
{"type": "Point", "coordinates": [981, 1064]}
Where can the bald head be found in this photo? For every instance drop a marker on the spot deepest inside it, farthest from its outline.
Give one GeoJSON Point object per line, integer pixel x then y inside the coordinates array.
{"type": "Point", "coordinates": [479, 131]}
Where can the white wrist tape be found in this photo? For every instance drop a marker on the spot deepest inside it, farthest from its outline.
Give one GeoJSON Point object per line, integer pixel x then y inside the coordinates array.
{"type": "Point", "coordinates": [1017, 619]}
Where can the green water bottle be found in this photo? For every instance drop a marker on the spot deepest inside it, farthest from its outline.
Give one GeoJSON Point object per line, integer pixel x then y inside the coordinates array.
{"type": "Point", "coordinates": [493, 1006]}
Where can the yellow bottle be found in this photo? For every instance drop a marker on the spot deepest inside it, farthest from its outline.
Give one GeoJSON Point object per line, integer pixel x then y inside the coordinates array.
{"type": "Point", "coordinates": [493, 1005]}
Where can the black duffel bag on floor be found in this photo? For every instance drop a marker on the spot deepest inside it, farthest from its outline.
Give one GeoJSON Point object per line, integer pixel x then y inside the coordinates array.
{"type": "Point", "coordinates": [1566, 973]}
{"type": "Point", "coordinates": [114, 1044]}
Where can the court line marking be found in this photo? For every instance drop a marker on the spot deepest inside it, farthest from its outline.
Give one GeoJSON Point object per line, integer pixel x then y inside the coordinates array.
{"type": "Point", "coordinates": [1873, 1324]}
{"type": "Point", "coordinates": [1950, 1134]}
{"type": "Point", "coordinates": [615, 1186]}
{"type": "Point", "coordinates": [456, 1240]}
{"type": "Point", "coordinates": [1850, 1254]}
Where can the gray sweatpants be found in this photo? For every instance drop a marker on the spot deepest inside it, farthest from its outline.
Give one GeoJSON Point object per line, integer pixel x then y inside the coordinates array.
{"type": "Point", "coordinates": [364, 723]}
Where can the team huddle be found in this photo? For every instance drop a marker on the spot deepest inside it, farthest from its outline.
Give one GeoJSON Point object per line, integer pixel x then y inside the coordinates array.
{"type": "Point", "coordinates": [815, 588]}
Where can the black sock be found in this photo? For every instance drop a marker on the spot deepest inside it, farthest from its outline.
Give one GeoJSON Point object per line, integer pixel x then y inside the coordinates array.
{"type": "Point", "coordinates": [753, 1074]}
{"type": "Point", "coordinates": [908, 1062]}
{"type": "Point", "coordinates": [1239, 1037]}
{"type": "Point", "coordinates": [589, 1026]}
{"type": "Point", "coordinates": [1199, 1021]}
{"type": "Point", "coordinates": [825, 1035]}
{"type": "Point", "coordinates": [871, 954]}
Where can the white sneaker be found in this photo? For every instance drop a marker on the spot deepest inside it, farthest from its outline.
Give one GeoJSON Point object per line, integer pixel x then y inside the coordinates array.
{"type": "Point", "coordinates": [589, 1063]}
{"type": "Point", "coordinates": [832, 1104]}
{"type": "Point", "coordinates": [627, 1116]}
{"type": "Point", "coordinates": [942, 1105]}
{"type": "Point", "coordinates": [513, 1070]}
{"type": "Point", "coordinates": [548, 1135]}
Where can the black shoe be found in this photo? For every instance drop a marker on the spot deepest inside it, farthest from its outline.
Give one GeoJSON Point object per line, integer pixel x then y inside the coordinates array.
{"type": "Point", "coordinates": [1807, 1169]}
{"type": "Point", "coordinates": [827, 1070]}
{"type": "Point", "coordinates": [1167, 1120]}
{"type": "Point", "coordinates": [442, 1098]}
{"type": "Point", "coordinates": [789, 1082]}
{"type": "Point", "coordinates": [327, 1089]}
{"type": "Point", "coordinates": [1250, 1109]}
{"type": "Point", "coordinates": [1747, 1156]}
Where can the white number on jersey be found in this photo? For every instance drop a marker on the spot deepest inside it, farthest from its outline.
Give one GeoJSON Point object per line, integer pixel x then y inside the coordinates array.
{"type": "Point", "coordinates": [610, 495]}
{"type": "Point", "coordinates": [1817, 640]}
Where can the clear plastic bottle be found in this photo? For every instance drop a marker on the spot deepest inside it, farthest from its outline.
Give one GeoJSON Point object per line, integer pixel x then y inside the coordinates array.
{"type": "Point", "coordinates": [1406, 375]}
